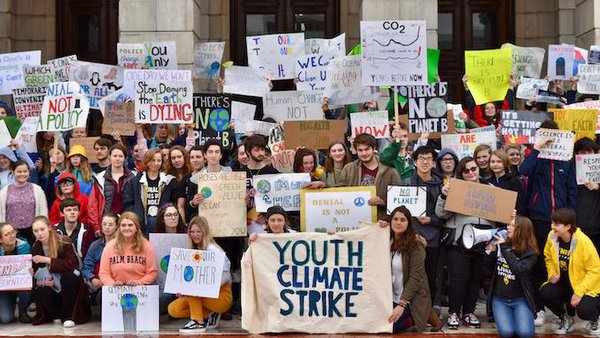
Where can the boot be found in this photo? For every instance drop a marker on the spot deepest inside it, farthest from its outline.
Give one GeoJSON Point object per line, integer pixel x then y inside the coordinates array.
{"type": "Point", "coordinates": [434, 321]}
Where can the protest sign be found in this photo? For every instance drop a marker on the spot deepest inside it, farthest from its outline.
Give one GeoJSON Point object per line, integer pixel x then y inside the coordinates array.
{"type": "Point", "coordinates": [97, 80]}
{"type": "Point", "coordinates": [283, 161]}
{"type": "Point", "coordinates": [526, 61]}
{"type": "Point", "coordinates": [245, 81]}
{"type": "Point", "coordinates": [529, 87]}
{"type": "Point", "coordinates": [14, 273]}
{"type": "Point", "coordinates": [28, 101]}
{"type": "Point", "coordinates": [594, 55]}
{"type": "Point", "coordinates": [413, 198]}
{"type": "Point", "coordinates": [275, 54]}
{"type": "Point", "coordinates": [483, 129]}
{"type": "Point", "coordinates": [5, 136]}
{"type": "Point", "coordinates": [587, 105]}
{"type": "Point", "coordinates": [311, 71]}
{"type": "Point", "coordinates": [544, 96]}
{"type": "Point", "coordinates": [254, 126]}
{"type": "Point", "coordinates": [464, 144]}
{"type": "Point", "coordinates": [427, 111]}
{"type": "Point", "coordinates": [393, 52]}
{"type": "Point", "coordinates": [433, 61]}
{"type": "Point", "coordinates": [11, 69]}
{"type": "Point", "coordinates": [131, 55]}
{"type": "Point", "coordinates": [65, 107]}
{"type": "Point", "coordinates": [313, 134]}
{"type": "Point", "coordinates": [207, 60]}
{"type": "Point", "coordinates": [336, 45]}
{"type": "Point", "coordinates": [520, 126]}
{"type": "Point", "coordinates": [160, 55]}
{"type": "Point", "coordinates": [293, 105]}
{"type": "Point", "coordinates": [336, 209]}
{"type": "Point", "coordinates": [373, 123]}
{"type": "Point", "coordinates": [292, 282]}
{"type": "Point", "coordinates": [119, 117]}
{"type": "Point", "coordinates": [587, 168]}
{"type": "Point", "coordinates": [560, 61]}
{"type": "Point", "coordinates": [164, 102]}
{"type": "Point", "coordinates": [38, 76]}
{"type": "Point", "coordinates": [589, 79]}
{"type": "Point", "coordinates": [279, 189]}
{"type": "Point", "coordinates": [162, 244]}
{"type": "Point", "coordinates": [130, 308]}
{"type": "Point", "coordinates": [212, 117]}
{"type": "Point", "coordinates": [241, 111]}
{"type": "Point", "coordinates": [195, 272]}
{"type": "Point", "coordinates": [561, 147]}
{"type": "Point", "coordinates": [131, 76]}
{"type": "Point", "coordinates": [488, 72]}
{"type": "Point", "coordinates": [26, 135]}
{"type": "Point", "coordinates": [580, 57]}
{"type": "Point", "coordinates": [224, 203]}
{"type": "Point", "coordinates": [276, 137]}
{"type": "Point", "coordinates": [582, 121]}
{"type": "Point", "coordinates": [62, 67]}
{"type": "Point", "coordinates": [118, 96]}
{"type": "Point", "coordinates": [480, 200]}
{"type": "Point", "coordinates": [344, 82]}
{"type": "Point", "coordinates": [88, 144]}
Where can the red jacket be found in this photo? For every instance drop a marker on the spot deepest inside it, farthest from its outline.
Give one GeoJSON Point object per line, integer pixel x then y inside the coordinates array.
{"type": "Point", "coordinates": [55, 215]}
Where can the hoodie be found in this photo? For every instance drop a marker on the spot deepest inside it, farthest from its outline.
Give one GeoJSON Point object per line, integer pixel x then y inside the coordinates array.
{"type": "Point", "coordinates": [55, 214]}
{"type": "Point", "coordinates": [442, 153]}
{"type": "Point", "coordinates": [431, 231]}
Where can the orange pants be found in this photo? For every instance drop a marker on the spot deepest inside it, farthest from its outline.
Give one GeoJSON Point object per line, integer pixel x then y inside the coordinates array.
{"type": "Point", "coordinates": [198, 308]}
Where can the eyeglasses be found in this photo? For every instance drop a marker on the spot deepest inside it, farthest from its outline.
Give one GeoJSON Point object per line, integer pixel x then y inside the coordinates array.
{"type": "Point", "coordinates": [172, 215]}
{"type": "Point", "coordinates": [424, 159]}
{"type": "Point", "coordinates": [467, 170]}
{"type": "Point", "coordinates": [11, 233]}
{"type": "Point", "coordinates": [66, 183]}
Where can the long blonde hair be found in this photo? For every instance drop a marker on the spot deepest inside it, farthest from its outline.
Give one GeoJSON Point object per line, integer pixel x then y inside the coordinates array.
{"type": "Point", "coordinates": [207, 238]}
{"type": "Point", "coordinates": [55, 240]}
{"type": "Point", "coordinates": [84, 167]}
{"type": "Point", "coordinates": [138, 239]}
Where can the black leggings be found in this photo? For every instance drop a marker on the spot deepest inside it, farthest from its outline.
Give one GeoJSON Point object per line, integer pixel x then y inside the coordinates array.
{"type": "Point", "coordinates": [539, 274]}
{"type": "Point", "coordinates": [557, 296]}
{"type": "Point", "coordinates": [465, 273]}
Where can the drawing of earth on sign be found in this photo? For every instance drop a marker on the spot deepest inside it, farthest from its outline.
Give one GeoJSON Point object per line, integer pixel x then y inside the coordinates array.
{"type": "Point", "coordinates": [263, 186]}
{"type": "Point", "coordinates": [436, 107]}
{"type": "Point", "coordinates": [188, 273]}
{"type": "Point", "coordinates": [206, 192]}
{"type": "Point", "coordinates": [219, 119]}
{"type": "Point", "coordinates": [164, 263]}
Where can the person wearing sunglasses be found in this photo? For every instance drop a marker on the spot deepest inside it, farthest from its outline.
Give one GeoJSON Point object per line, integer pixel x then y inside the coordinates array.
{"type": "Point", "coordinates": [464, 269]}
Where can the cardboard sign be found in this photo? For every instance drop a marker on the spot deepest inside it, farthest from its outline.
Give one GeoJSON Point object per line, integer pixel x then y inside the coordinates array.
{"type": "Point", "coordinates": [97, 80]}
{"type": "Point", "coordinates": [119, 118]}
{"type": "Point", "coordinates": [336, 209]}
{"type": "Point", "coordinates": [489, 74]}
{"type": "Point", "coordinates": [313, 134]}
{"type": "Point", "coordinates": [245, 81]}
{"type": "Point", "coordinates": [162, 244]}
{"type": "Point", "coordinates": [207, 60]}
{"type": "Point", "coordinates": [88, 144]}
{"type": "Point", "coordinates": [311, 71]}
{"type": "Point", "coordinates": [344, 82]}
{"type": "Point", "coordinates": [14, 274]}
{"type": "Point", "coordinates": [526, 61]}
{"type": "Point", "coordinates": [520, 126]}
{"type": "Point", "coordinates": [275, 54]}
{"type": "Point", "coordinates": [582, 121]}
{"type": "Point", "coordinates": [212, 117]}
{"type": "Point", "coordinates": [561, 148]}
{"type": "Point", "coordinates": [38, 76]}
{"type": "Point", "coordinates": [164, 102]}
{"type": "Point", "coordinates": [279, 189]}
{"type": "Point", "coordinates": [587, 105]}
{"type": "Point", "coordinates": [28, 101]}
{"type": "Point", "coordinates": [336, 45]}
{"type": "Point", "coordinates": [65, 107]}
{"type": "Point", "coordinates": [393, 52]}
{"type": "Point", "coordinates": [587, 168]}
{"type": "Point", "coordinates": [241, 111]}
{"type": "Point", "coordinates": [62, 67]}
{"type": "Point", "coordinates": [195, 272]}
{"type": "Point", "coordinates": [413, 198]}
{"type": "Point", "coordinates": [589, 78]}
{"type": "Point", "coordinates": [26, 135]}
{"type": "Point", "coordinates": [130, 308]}
{"type": "Point", "coordinates": [294, 282]}
{"type": "Point", "coordinates": [427, 111]}
{"type": "Point", "coordinates": [131, 55]}
{"type": "Point", "coordinates": [131, 76]}
{"type": "Point", "coordinates": [224, 204]}
{"type": "Point", "coordinates": [560, 61]}
{"type": "Point", "coordinates": [373, 123]}
{"type": "Point", "coordinates": [464, 144]}
{"type": "Point", "coordinates": [480, 200]}
{"type": "Point", "coordinates": [11, 69]}
{"type": "Point", "coordinates": [529, 87]}
{"type": "Point", "coordinates": [293, 105]}
{"type": "Point", "coordinates": [160, 55]}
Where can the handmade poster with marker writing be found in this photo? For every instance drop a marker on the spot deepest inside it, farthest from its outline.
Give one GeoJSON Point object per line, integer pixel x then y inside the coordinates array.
{"type": "Point", "coordinates": [560, 61]}
{"type": "Point", "coordinates": [526, 61]}
{"type": "Point", "coordinates": [14, 274]}
{"type": "Point", "coordinates": [11, 65]}
{"type": "Point", "coordinates": [344, 82]}
{"type": "Point", "coordinates": [28, 101]}
{"type": "Point", "coordinates": [412, 197]}
{"type": "Point", "coordinates": [38, 76]}
{"type": "Point", "coordinates": [131, 55]}
{"type": "Point", "coordinates": [315, 134]}
{"type": "Point", "coordinates": [160, 55]}
{"type": "Point", "coordinates": [131, 76]}
{"type": "Point", "coordinates": [587, 105]}
{"type": "Point", "coordinates": [393, 52]}
{"type": "Point", "coordinates": [4, 134]}
{"type": "Point", "coordinates": [213, 116]}
{"type": "Point", "coordinates": [464, 144]}
{"type": "Point", "coordinates": [427, 110]}
{"type": "Point", "coordinates": [207, 60]}
{"type": "Point", "coordinates": [26, 135]}
{"type": "Point", "coordinates": [293, 105]}
{"type": "Point", "coordinates": [119, 118]}
{"type": "Point", "coordinates": [96, 80]}
{"type": "Point", "coordinates": [529, 87]}
{"type": "Point", "coordinates": [582, 121]}
{"type": "Point", "coordinates": [195, 272]}
{"type": "Point", "coordinates": [275, 54]}
{"type": "Point", "coordinates": [336, 45]}
{"type": "Point", "coordinates": [561, 147]}
{"type": "Point", "coordinates": [130, 308]}
{"type": "Point", "coordinates": [373, 123]}
{"type": "Point", "coordinates": [589, 79]}
{"type": "Point", "coordinates": [279, 189]}
{"type": "Point", "coordinates": [311, 71]}
{"type": "Point", "coordinates": [488, 73]}
{"type": "Point", "coordinates": [65, 107]}
{"type": "Point", "coordinates": [164, 102]}
{"type": "Point", "coordinates": [62, 67]}
{"type": "Point", "coordinates": [520, 126]}
{"type": "Point", "coordinates": [162, 244]}
{"type": "Point", "coordinates": [587, 168]}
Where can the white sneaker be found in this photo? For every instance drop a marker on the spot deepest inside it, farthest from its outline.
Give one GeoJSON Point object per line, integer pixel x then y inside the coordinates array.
{"type": "Point", "coordinates": [193, 327]}
{"type": "Point", "coordinates": [592, 328]}
{"type": "Point", "coordinates": [540, 318]}
{"type": "Point", "coordinates": [213, 320]}
{"type": "Point", "coordinates": [566, 325]}
{"type": "Point", "coordinates": [68, 324]}
{"type": "Point", "coordinates": [453, 321]}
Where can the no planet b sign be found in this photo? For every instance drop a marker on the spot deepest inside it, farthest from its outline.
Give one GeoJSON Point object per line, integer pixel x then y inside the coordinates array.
{"type": "Point", "coordinates": [65, 107]}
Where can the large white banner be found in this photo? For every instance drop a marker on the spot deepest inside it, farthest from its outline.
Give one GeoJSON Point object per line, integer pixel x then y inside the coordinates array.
{"type": "Point", "coordinates": [195, 272]}
{"type": "Point", "coordinates": [275, 53]}
{"type": "Point", "coordinates": [293, 105]}
{"type": "Point", "coordinates": [130, 308]}
{"type": "Point", "coordinates": [11, 69]}
{"type": "Point", "coordinates": [393, 52]}
{"type": "Point", "coordinates": [464, 144]}
{"type": "Point", "coordinates": [344, 82]}
{"type": "Point", "coordinates": [279, 189]}
{"type": "Point", "coordinates": [318, 283]}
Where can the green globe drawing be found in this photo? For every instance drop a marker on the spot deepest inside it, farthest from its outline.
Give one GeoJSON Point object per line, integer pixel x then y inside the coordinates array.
{"type": "Point", "coordinates": [219, 119]}
{"type": "Point", "coordinates": [188, 273]}
{"type": "Point", "coordinates": [263, 186]}
{"type": "Point", "coordinates": [206, 192]}
{"type": "Point", "coordinates": [164, 263]}
{"type": "Point", "coordinates": [129, 301]}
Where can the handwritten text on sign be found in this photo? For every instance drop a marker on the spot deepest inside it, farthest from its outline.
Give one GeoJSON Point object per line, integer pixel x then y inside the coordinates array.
{"type": "Point", "coordinates": [589, 79]}
{"type": "Point", "coordinates": [213, 115]}
{"type": "Point", "coordinates": [464, 144]}
{"type": "Point", "coordinates": [38, 76]}
{"type": "Point", "coordinates": [275, 54]}
{"type": "Point", "coordinates": [427, 111]}
{"type": "Point", "coordinates": [28, 101]}
{"type": "Point", "coordinates": [14, 272]}
{"type": "Point", "coordinates": [164, 102]}
{"type": "Point", "coordinates": [414, 198]}
{"type": "Point", "coordinates": [588, 168]}
{"type": "Point", "coordinates": [223, 203]}
{"type": "Point", "coordinates": [311, 71]}
{"type": "Point", "coordinates": [207, 59]}
{"type": "Point", "coordinates": [97, 80]}
{"type": "Point", "coordinates": [480, 200]}
{"type": "Point", "coordinates": [62, 67]}
{"type": "Point", "coordinates": [344, 82]}
{"type": "Point", "coordinates": [65, 107]}
{"type": "Point", "coordinates": [581, 121]}
{"type": "Point", "coordinates": [293, 105]}
{"type": "Point", "coordinates": [561, 147]}
{"type": "Point", "coordinates": [130, 308]}
{"type": "Point", "coordinates": [11, 66]}
{"type": "Point", "coordinates": [195, 272]}
{"type": "Point", "coordinates": [520, 126]}
{"type": "Point", "coordinates": [373, 123]}
{"type": "Point", "coordinates": [279, 189]}
{"type": "Point", "coordinates": [488, 72]}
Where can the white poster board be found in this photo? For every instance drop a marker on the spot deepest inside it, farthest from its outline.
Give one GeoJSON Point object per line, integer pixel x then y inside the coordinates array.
{"type": "Point", "coordinates": [160, 55]}
{"type": "Point", "coordinates": [529, 87]}
{"type": "Point", "coordinates": [207, 60]}
{"type": "Point", "coordinates": [336, 45]}
{"type": "Point", "coordinates": [587, 168]}
{"type": "Point", "coordinates": [293, 105]}
{"type": "Point", "coordinates": [373, 123]}
{"type": "Point", "coordinates": [131, 55]}
{"type": "Point", "coordinates": [464, 144]}
{"type": "Point", "coordinates": [561, 148]}
{"type": "Point", "coordinates": [65, 107]}
{"type": "Point", "coordinates": [413, 198]}
{"type": "Point", "coordinates": [311, 71]}
{"type": "Point", "coordinates": [275, 54]}
{"type": "Point", "coordinates": [97, 80]}
{"type": "Point", "coordinates": [11, 69]}
{"type": "Point", "coordinates": [131, 76]}
{"type": "Point", "coordinates": [254, 126]}
{"type": "Point", "coordinates": [526, 61]}
{"type": "Point", "coordinates": [245, 81]}
{"type": "Point", "coordinates": [560, 61]}
{"type": "Point", "coordinates": [344, 82]}
{"type": "Point", "coordinates": [195, 272]}
{"type": "Point", "coordinates": [164, 102]}
{"type": "Point", "coordinates": [162, 244]}
{"type": "Point", "coordinates": [130, 308]}
{"type": "Point", "coordinates": [62, 67]}
{"type": "Point", "coordinates": [26, 135]}
{"type": "Point", "coordinates": [38, 76]}
{"type": "Point", "coordinates": [14, 272]}
{"type": "Point", "coordinates": [241, 111]}
{"type": "Point", "coordinates": [279, 189]}
{"type": "Point", "coordinates": [589, 79]}
{"type": "Point", "coordinates": [28, 101]}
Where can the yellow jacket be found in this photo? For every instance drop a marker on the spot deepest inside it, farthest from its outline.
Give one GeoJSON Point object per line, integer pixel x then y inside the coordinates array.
{"type": "Point", "coordinates": [584, 264]}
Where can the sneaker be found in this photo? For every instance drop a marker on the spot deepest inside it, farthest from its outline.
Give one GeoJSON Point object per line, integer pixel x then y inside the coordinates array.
{"type": "Point", "coordinates": [193, 327]}
{"type": "Point", "coordinates": [68, 324]}
{"type": "Point", "coordinates": [453, 321]}
{"type": "Point", "coordinates": [213, 320]}
{"type": "Point", "coordinates": [565, 326]}
{"type": "Point", "coordinates": [592, 328]}
{"type": "Point", "coordinates": [471, 320]}
{"type": "Point", "coordinates": [540, 318]}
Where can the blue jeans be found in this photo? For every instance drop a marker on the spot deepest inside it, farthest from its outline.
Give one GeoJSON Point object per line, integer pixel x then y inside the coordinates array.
{"type": "Point", "coordinates": [513, 317]}
{"type": "Point", "coordinates": [8, 299]}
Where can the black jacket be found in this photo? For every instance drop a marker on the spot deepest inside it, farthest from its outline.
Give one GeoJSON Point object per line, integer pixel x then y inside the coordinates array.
{"type": "Point", "coordinates": [431, 231]}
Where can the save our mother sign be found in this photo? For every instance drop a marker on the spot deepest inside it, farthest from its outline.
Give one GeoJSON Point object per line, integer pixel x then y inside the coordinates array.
{"type": "Point", "coordinates": [65, 107]}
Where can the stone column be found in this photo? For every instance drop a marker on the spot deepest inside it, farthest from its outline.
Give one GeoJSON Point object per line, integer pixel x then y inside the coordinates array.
{"type": "Point", "coordinates": [587, 23]}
